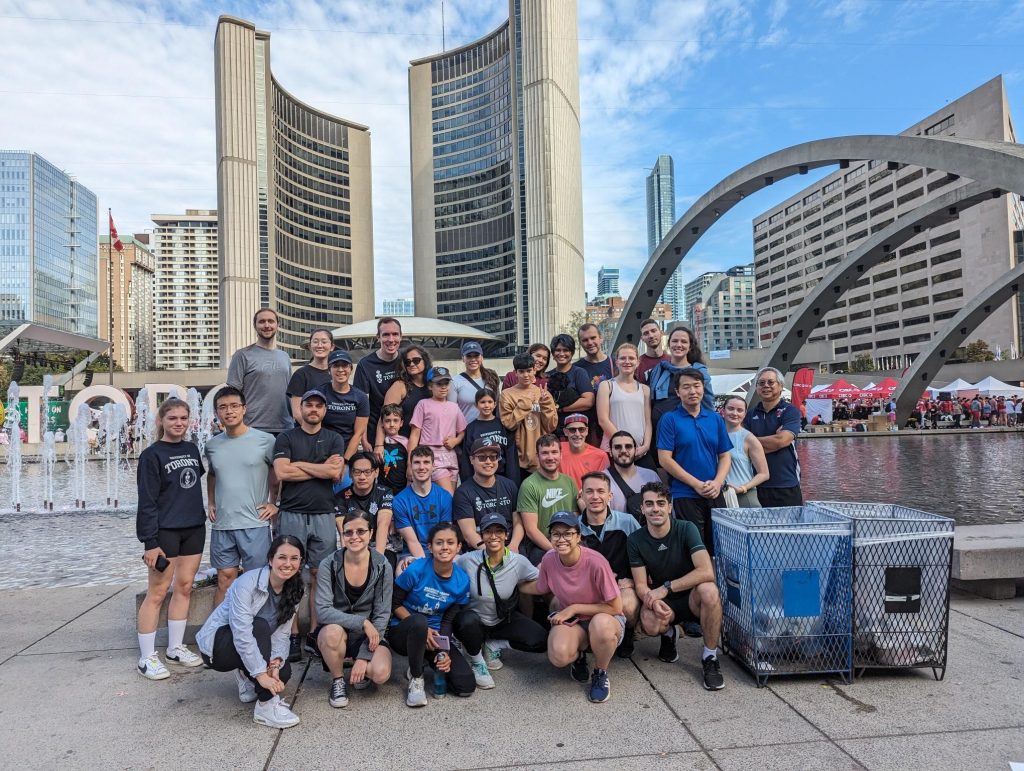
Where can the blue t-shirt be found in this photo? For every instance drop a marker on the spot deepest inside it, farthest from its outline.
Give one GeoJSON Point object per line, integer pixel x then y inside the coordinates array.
{"type": "Point", "coordinates": [429, 594]}
{"type": "Point", "coordinates": [696, 443]}
{"type": "Point", "coordinates": [422, 513]}
{"type": "Point", "coordinates": [783, 465]}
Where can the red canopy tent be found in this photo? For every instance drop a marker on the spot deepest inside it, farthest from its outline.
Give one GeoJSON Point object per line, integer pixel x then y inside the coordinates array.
{"type": "Point", "coordinates": [882, 390]}
{"type": "Point", "coordinates": [839, 390]}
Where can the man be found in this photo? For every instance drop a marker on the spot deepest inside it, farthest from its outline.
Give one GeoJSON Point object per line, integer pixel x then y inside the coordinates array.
{"type": "Point", "coordinates": [578, 457]}
{"type": "Point", "coordinates": [486, 493]}
{"type": "Point", "coordinates": [421, 505]}
{"type": "Point", "coordinates": [694, 449]}
{"type": "Point", "coordinates": [376, 372]}
{"type": "Point", "coordinates": [675, 581]}
{"type": "Point", "coordinates": [598, 366]}
{"type": "Point", "coordinates": [654, 340]}
{"type": "Point", "coordinates": [775, 422]}
{"type": "Point", "coordinates": [568, 383]}
{"type": "Point", "coordinates": [308, 461]}
{"type": "Point", "coordinates": [590, 614]}
{"type": "Point", "coordinates": [605, 531]}
{"type": "Point", "coordinates": [627, 478]}
{"type": "Point", "coordinates": [240, 492]}
{"type": "Point", "coordinates": [261, 371]}
{"type": "Point", "coordinates": [348, 408]}
{"type": "Point", "coordinates": [543, 493]}
{"type": "Point", "coordinates": [366, 494]}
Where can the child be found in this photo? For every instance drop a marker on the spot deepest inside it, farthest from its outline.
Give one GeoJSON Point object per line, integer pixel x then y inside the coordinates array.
{"type": "Point", "coordinates": [527, 411]}
{"type": "Point", "coordinates": [440, 425]}
{"type": "Point", "coordinates": [488, 428]}
{"type": "Point", "coordinates": [395, 454]}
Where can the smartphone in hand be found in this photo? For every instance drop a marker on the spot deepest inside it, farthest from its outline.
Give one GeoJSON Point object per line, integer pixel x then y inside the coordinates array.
{"type": "Point", "coordinates": [443, 643]}
{"type": "Point", "coordinates": [162, 563]}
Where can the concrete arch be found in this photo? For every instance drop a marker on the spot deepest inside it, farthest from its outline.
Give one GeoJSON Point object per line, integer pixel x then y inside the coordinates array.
{"type": "Point", "coordinates": [955, 332]}
{"type": "Point", "coordinates": [997, 164]}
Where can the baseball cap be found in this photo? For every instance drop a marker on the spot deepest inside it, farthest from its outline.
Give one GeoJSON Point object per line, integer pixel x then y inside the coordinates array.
{"type": "Point", "coordinates": [481, 445]}
{"type": "Point", "coordinates": [576, 417]}
{"type": "Point", "coordinates": [494, 518]}
{"type": "Point", "coordinates": [337, 356]}
{"type": "Point", "coordinates": [435, 374]}
{"type": "Point", "coordinates": [564, 518]}
{"type": "Point", "coordinates": [312, 393]}
{"type": "Point", "coordinates": [472, 346]}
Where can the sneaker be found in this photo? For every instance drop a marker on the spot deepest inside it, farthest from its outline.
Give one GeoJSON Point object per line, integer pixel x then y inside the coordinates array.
{"type": "Point", "coordinates": [274, 714]}
{"type": "Point", "coordinates": [713, 680]}
{"type": "Point", "coordinates": [625, 649]}
{"type": "Point", "coordinates": [185, 657]}
{"type": "Point", "coordinates": [600, 689]}
{"type": "Point", "coordinates": [692, 629]}
{"type": "Point", "coordinates": [484, 681]}
{"type": "Point", "coordinates": [362, 685]}
{"type": "Point", "coordinates": [579, 671]}
{"type": "Point", "coordinates": [492, 656]}
{"type": "Point", "coordinates": [246, 688]}
{"type": "Point", "coordinates": [667, 652]}
{"type": "Point", "coordinates": [338, 698]}
{"type": "Point", "coordinates": [294, 648]}
{"type": "Point", "coordinates": [311, 647]}
{"type": "Point", "coordinates": [152, 668]}
{"type": "Point", "coordinates": [417, 696]}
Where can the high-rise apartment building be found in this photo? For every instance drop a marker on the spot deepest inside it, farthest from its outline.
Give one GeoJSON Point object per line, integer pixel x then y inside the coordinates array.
{"type": "Point", "coordinates": [132, 284]}
{"type": "Point", "coordinates": [186, 317]}
{"type": "Point", "coordinates": [607, 281]}
{"type": "Point", "coordinates": [48, 247]}
{"type": "Point", "coordinates": [402, 306]}
{"type": "Point", "coordinates": [892, 311]}
{"type": "Point", "coordinates": [293, 193]}
{"type": "Point", "coordinates": [496, 177]}
{"type": "Point", "coordinates": [721, 309]}
{"type": "Point", "coordinates": [661, 216]}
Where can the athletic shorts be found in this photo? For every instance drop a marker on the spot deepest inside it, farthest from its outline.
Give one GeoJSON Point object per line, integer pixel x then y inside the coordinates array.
{"type": "Point", "coordinates": [247, 547]}
{"type": "Point", "coordinates": [680, 604]}
{"type": "Point", "coordinates": [182, 541]}
{"type": "Point", "coordinates": [585, 626]}
{"type": "Point", "coordinates": [446, 465]}
{"type": "Point", "coordinates": [353, 642]}
{"type": "Point", "coordinates": [772, 497]}
{"type": "Point", "coordinates": [316, 531]}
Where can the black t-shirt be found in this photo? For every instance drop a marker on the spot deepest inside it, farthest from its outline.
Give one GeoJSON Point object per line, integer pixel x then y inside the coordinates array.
{"type": "Point", "coordinates": [378, 498]}
{"type": "Point", "coordinates": [492, 432]}
{"type": "Point", "coordinates": [312, 496]}
{"type": "Point", "coordinates": [414, 394]}
{"type": "Point", "coordinates": [668, 558]}
{"type": "Point", "coordinates": [343, 409]}
{"type": "Point", "coordinates": [306, 378]}
{"type": "Point", "coordinates": [396, 464]}
{"type": "Point", "coordinates": [374, 377]}
{"type": "Point", "coordinates": [471, 501]}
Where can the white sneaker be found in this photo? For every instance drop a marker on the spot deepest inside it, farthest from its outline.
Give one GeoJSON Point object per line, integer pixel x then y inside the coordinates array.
{"type": "Point", "coordinates": [492, 655]}
{"type": "Point", "coordinates": [185, 657]}
{"type": "Point", "coordinates": [417, 696]}
{"type": "Point", "coordinates": [152, 668]}
{"type": "Point", "coordinates": [246, 688]}
{"type": "Point", "coordinates": [274, 714]}
{"type": "Point", "coordinates": [484, 681]}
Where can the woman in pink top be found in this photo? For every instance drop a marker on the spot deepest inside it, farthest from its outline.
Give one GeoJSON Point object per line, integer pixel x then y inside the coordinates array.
{"type": "Point", "coordinates": [440, 425]}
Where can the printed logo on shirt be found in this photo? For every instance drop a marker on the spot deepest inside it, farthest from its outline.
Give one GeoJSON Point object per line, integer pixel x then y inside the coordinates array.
{"type": "Point", "coordinates": [187, 479]}
{"type": "Point", "coordinates": [342, 407]}
{"type": "Point", "coordinates": [391, 458]}
{"type": "Point", "coordinates": [552, 497]}
{"type": "Point", "coordinates": [662, 547]}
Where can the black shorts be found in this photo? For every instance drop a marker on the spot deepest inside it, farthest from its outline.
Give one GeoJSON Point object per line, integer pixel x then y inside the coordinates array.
{"type": "Point", "coordinates": [680, 604]}
{"type": "Point", "coordinates": [772, 497]}
{"type": "Point", "coordinates": [353, 642]}
{"type": "Point", "coordinates": [182, 541]}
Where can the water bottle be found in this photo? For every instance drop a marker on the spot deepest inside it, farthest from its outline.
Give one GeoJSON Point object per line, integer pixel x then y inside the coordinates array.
{"type": "Point", "coordinates": [440, 681]}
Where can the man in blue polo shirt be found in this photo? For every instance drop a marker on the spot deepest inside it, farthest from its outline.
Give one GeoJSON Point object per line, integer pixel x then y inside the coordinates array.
{"type": "Point", "coordinates": [693, 448]}
{"type": "Point", "coordinates": [775, 422]}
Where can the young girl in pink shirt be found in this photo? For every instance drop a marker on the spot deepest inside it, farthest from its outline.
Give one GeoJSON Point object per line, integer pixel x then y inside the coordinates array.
{"type": "Point", "coordinates": [440, 425]}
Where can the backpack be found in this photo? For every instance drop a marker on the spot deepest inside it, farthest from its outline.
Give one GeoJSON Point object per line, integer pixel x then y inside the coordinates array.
{"type": "Point", "coordinates": [633, 501]}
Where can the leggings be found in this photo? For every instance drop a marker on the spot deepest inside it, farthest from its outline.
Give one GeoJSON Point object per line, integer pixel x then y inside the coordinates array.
{"type": "Point", "coordinates": [522, 632]}
{"type": "Point", "coordinates": [225, 657]}
{"type": "Point", "coordinates": [409, 638]}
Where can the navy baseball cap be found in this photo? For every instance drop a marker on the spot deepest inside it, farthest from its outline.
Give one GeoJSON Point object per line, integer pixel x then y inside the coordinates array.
{"type": "Point", "coordinates": [482, 445]}
{"type": "Point", "coordinates": [472, 346]}
{"type": "Point", "coordinates": [337, 356]}
{"type": "Point", "coordinates": [564, 518]}
{"type": "Point", "coordinates": [492, 519]}
{"type": "Point", "coordinates": [435, 374]}
{"type": "Point", "coordinates": [312, 393]}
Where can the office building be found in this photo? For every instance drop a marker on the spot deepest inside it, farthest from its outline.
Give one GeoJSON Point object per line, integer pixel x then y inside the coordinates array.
{"type": "Point", "coordinates": [496, 177]}
{"type": "Point", "coordinates": [186, 305]}
{"type": "Point", "coordinates": [721, 309]}
{"type": "Point", "coordinates": [893, 310]}
{"type": "Point", "coordinates": [661, 216]}
{"type": "Point", "coordinates": [48, 247]}
{"type": "Point", "coordinates": [607, 281]}
{"type": "Point", "coordinates": [293, 193]}
{"type": "Point", "coordinates": [132, 283]}
{"type": "Point", "coordinates": [403, 306]}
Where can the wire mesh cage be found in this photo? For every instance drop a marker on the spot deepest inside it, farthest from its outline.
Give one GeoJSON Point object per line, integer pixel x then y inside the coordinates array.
{"type": "Point", "coordinates": [785, 579]}
{"type": "Point", "coordinates": [901, 569]}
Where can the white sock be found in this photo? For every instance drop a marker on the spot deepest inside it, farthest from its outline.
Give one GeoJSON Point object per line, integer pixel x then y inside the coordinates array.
{"type": "Point", "coordinates": [175, 633]}
{"type": "Point", "coordinates": [710, 653]}
{"type": "Point", "coordinates": [147, 644]}
{"type": "Point", "coordinates": [477, 659]}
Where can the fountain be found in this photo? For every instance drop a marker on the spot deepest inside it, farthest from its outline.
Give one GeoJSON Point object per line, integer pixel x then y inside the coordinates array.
{"type": "Point", "coordinates": [144, 421]}
{"type": "Point", "coordinates": [113, 422]}
{"type": "Point", "coordinates": [49, 461]}
{"type": "Point", "coordinates": [13, 426]}
{"type": "Point", "coordinates": [79, 432]}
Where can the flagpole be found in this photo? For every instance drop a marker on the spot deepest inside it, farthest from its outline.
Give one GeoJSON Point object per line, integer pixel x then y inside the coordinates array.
{"type": "Point", "coordinates": [110, 294]}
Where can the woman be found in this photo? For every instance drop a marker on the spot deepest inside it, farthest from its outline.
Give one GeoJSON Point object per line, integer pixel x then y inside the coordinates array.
{"type": "Point", "coordinates": [541, 358]}
{"type": "Point", "coordinates": [171, 524]}
{"type": "Point", "coordinates": [428, 595]}
{"type": "Point", "coordinates": [353, 605]}
{"type": "Point", "coordinates": [684, 351]}
{"type": "Point", "coordinates": [475, 376]}
{"type": "Point", "coordinates": [749, 466]}
{"type": "Point", "coordinates": [496, 578]}
{"type": "Point", "coordinates": [313, 374]}
{"type": "Point", "coordinates": [248, 632]}
{"type": "Point", "coordinates": [623, 404]}
{"type": "Point", "coordinates": [409, 388]}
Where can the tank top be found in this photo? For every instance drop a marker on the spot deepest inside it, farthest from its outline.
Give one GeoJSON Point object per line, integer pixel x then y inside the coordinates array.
{"type": "Point", "coordinates": [742, 470]}
{"type": "Point", "coordinates": [414, 394]}
{"type": "Point", "coordinates": [626, 411]}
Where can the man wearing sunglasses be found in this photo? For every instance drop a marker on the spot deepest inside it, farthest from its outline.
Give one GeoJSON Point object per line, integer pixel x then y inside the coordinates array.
{"type": "Point", "coordinates": [578, 457]}
{"type": "Point", "coordinates": [776, 423]}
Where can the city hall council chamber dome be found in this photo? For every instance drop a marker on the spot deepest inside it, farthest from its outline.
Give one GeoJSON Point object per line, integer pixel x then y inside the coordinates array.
{"type": "Point", "coordinates": [442, 338]}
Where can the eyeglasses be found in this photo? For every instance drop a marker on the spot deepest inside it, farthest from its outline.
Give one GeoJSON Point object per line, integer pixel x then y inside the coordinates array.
{"type": "Point", "coordinates": [415, 361]}
{"type": "Point", "coordinates": [621, 447]}
{"type": "Point", "coordinates": [361, 472]}
{"type": "Point", "coordinates": [355, 533]}
{"type": "Point", "coordinates": [230, 407]}
{"type": "Point", "coordinates": [763, 383]}
{"type": "Point", "coordinates": [564, 535]}
{"type": "Point", "coordinates": [576, 430]}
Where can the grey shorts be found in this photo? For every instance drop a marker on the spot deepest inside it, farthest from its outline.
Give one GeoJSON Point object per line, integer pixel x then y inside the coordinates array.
{"type": "Point", "coordinates": [247, 547]}
{"type": "Point", "coordinates": [317, 532]}
{"type": "Point", "coordinates": [585, 626]}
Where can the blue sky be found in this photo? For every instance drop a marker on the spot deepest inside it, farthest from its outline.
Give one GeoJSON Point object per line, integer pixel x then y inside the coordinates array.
{"type": "Point", "coordinates": [120, 94]}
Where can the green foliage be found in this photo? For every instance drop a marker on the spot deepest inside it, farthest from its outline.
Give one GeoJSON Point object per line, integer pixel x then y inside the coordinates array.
{"type": "Point", "coordinates": [862, 362]}
{"type": "Point", "coordinates": [57, 365]}
{"type": "Point", "coordinates": [977, 351]}
{"type": "Point", "coordinates": [576, 320]}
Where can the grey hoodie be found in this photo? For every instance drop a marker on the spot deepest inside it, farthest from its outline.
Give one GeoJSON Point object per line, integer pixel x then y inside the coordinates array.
{"type": "Point", "coordinates": [333, 606]}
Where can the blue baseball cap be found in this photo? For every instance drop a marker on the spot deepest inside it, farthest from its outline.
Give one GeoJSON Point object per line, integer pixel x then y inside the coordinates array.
{"type": "Point", "coordinates": [564, 518]}
{"type": "Point", "coordinates": [472, 346]}
{"type": "Point", "coordinates": [339, 356]}
{"type": "Point", "coordinates": [435, 374]}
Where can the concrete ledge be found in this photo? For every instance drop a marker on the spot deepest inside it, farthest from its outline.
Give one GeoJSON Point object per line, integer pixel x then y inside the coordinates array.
{"type": "Point", "coordinates": [989, 559]}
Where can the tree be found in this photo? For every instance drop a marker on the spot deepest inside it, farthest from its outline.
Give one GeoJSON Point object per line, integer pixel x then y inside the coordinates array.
{"type": "Point", "coordinates": [576, 320]}
{"type": "Point", "coordinates": [862, 362]}
{"type": "Point", "coordinates": [977, 351]}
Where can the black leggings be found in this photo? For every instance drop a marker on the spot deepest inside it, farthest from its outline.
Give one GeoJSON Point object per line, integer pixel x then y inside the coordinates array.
{"type": "Point", "coordinates": [522, 632]}
{"type": "Point", "coordinates": [225, 657]}
{"type": "Point", "coordinates": [409, 638]}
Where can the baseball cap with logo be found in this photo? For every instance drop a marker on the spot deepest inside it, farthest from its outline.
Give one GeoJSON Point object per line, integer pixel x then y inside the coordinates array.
{"type": "Point", "coordinates": [576, 417]}
{"type": "Point", "coordinates": [482, 445]}
{"type": "Point", "coordinates": [437, 374]}
{"type": "Point", "coordinates": [339, 356]}
{"type": "Point", "coordinates": [564, 518]}
{"type": "Point", "coordinates": [492, 519]}
{"type": "Point", "coordinates": [312, 393]}
{"type": "Point", "coordinates": [472, 346]}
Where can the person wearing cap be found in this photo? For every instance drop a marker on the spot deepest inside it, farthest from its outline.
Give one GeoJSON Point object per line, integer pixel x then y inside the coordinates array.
{"type": "Point", "coordinates": [440, 425]}
{"type": "Point", "coordinates": [348, 408]}
{"type": "Point", "coordinates": [474, 377]}
{"type": "Point", "coordinates": [578, 457]}
{"type": "Point", "coordinates": [497, 575]}
{"type": "Point", "coordinates": [569, 383]}
{"type": "Point", "coordinates": [483, 494]}
{"type": "Point", "coordinates": [528, 411]}
{"type": "Point", "coordinates": [307, 461]}
{"type": "Point", "coordinates": [488, 428]}
{"type": "Point", "coordinates": [590, 607]}
{"type": "Point", "coordinates": [544, 492]}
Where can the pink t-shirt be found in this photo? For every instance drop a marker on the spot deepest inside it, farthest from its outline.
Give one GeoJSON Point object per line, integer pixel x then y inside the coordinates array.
{"type": "Point", "coordinates": [437, 421]}
{"type": "Point", "coordinates": [589, 582]}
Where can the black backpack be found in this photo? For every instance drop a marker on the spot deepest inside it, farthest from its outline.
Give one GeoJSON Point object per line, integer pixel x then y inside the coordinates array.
{"type": "Point", "coordinates": [633, 501]}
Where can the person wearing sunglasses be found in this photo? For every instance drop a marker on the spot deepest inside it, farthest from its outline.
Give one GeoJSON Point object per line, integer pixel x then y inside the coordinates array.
{"type": "Point", "coordinates": [775, 422]}
{"type": "Point", "coordinates": [409, 388]}
{"type": "Point", "coordinates": [578, 457]}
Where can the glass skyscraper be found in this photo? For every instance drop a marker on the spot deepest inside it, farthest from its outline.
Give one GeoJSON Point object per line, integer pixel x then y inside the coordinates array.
{"type": "Point", "coordinates": [661, 216]}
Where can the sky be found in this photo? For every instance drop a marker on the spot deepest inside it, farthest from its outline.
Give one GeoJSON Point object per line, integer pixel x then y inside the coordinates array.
{"type": "Point", "coordinates": [120, 95]}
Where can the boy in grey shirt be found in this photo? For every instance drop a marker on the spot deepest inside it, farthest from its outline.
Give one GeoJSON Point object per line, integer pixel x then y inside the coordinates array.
{"type": "Point", "coordinates": [261, 371]}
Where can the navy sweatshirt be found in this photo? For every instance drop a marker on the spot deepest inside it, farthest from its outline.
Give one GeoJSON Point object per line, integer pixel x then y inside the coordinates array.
{"type": "Point", "coordinates": [493, 432]}
{"type": "Point", "coordinates": [169, 492]}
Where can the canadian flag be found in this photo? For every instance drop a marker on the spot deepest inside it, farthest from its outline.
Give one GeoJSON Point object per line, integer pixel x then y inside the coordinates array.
{"type": "Point", "coordinates": [114, 239]}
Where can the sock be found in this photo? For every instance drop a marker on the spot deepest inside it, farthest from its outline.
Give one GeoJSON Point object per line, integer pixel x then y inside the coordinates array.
{"type": "Point", "coordinates": [477, 659]}
{"type": "Point", "coordinates": [672, 633]}
{"type": "Point", "coordinates": [175, 633]}
{"type": "Point", "coordinates": [147, 644]}
{"type": "Point", "coordinates": [710, 653]}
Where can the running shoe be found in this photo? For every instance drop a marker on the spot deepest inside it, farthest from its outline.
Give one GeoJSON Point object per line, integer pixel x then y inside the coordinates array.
{"type": "Point", "coordinates": [600, 689]}
{"type": "Point", "coordinates": [338, 697]}
{"type": "Point", "coordinates": [274, 714]}
{"type": "Point", "coordinates": [667, 652]}
{"type": "Point", "coordinates": [579, 670]}
{"type": "Point", "coordinates": [246, 688]}
{"type": "Point", "coordinates": [185, 657]}
{"type": "Point", "coordinates": [417, 696]}
{"type": "Point", "coordinates": [152, 668]}
{"type": "Point", "coordinates": [713, 680]}
{"type": "Point", "coordinates": [692, 629]}
{"type": "Point", "coordinates": [484, 681]}
{"type": "Point", "coordinates": [492, 655]}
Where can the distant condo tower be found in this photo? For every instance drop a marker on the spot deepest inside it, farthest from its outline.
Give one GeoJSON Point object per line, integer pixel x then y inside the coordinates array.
{"type": "Point", "coordinates": [661, 216]}
{"type": "Point", "coordinates": [293, 194]}
{"type": "Point", "coordinates": [496, 177]}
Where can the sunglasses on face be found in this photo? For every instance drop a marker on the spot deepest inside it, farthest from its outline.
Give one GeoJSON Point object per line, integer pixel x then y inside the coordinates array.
{"type": "Point", "coordinates": [415, 361]}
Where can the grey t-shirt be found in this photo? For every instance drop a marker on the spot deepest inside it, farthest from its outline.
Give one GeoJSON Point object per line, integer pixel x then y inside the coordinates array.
{"type": "Point", "coordinates": [269, 610]}
{"type": "Point", "coordinates": [241, 469]}
{"type": "Point", "coordinates": [263, 375]}
{"type": "Point", "coordinates": [512, 570]}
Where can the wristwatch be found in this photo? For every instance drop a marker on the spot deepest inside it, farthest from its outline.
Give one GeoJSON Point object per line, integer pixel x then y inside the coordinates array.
{"type": "Point", "coordinates": [668, 586]}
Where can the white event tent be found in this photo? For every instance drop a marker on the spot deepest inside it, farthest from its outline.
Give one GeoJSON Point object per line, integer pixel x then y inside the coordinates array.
{"type": "Point", "coordinates": [991, 386]}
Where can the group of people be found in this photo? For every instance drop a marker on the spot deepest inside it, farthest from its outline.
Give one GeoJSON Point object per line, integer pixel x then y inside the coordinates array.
{"type": "Point", "coordinates": [957, 412]}
{"type": "Point", "coordinates": [474, 512]}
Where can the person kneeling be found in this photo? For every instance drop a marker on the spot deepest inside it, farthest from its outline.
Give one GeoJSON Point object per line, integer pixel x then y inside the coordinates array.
{"type": "Point", "coordinates": [248, 632]}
